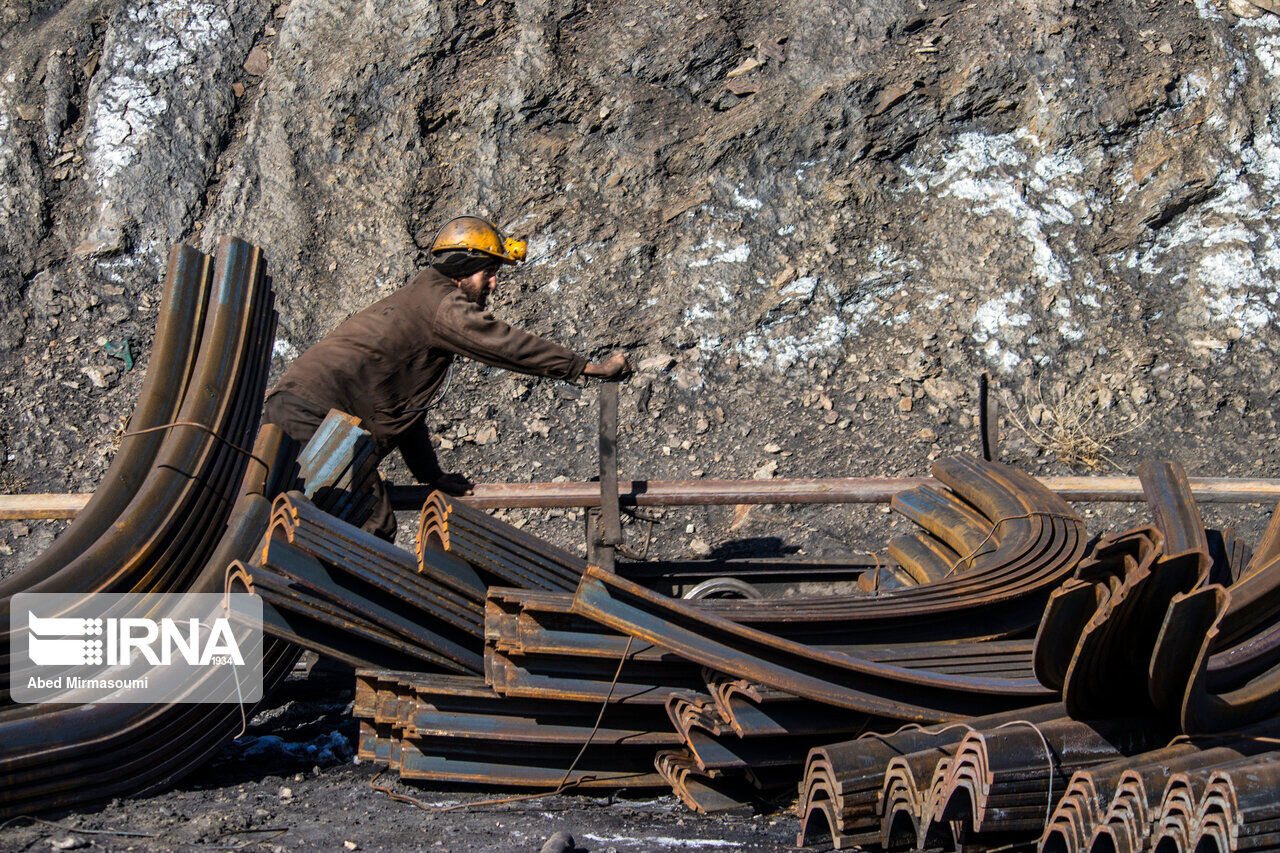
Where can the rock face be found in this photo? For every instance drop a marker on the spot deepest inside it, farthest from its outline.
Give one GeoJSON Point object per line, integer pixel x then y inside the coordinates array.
{"type": "Point", "coordinates": [814, 225]}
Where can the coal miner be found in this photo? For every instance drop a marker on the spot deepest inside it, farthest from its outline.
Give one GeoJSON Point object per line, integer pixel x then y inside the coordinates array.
{"type": "Point", "coordinates": [388, 364]}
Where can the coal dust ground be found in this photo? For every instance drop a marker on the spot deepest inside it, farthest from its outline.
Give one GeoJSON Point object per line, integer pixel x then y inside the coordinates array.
{"type": "Point", "coordinates": [290, 784]}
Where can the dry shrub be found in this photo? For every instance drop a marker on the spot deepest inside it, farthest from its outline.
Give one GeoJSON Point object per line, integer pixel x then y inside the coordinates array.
{"type": "Point", "coordinates": [1077, 424]}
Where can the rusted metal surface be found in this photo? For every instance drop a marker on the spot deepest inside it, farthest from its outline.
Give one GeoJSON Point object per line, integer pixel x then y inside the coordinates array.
{"type": "Point", "coordinates": [1134, 807]}
{"type": "Point", "coordinates": [1084, 803]}
{"type": "Point", "coordinates": [704, 792]}
{"type": "Point", "coordinates": [194, 500]}
{"type": "Point", "coordinates": [459, 730]}
{"type": "Point", "coordinates": [607, 521]}
{"type": "Point", "coordinates": [500, 554]}
{"type": "Point", "coordinates": [850, 774]}
{"type": "Point", "coordinates": [841, 490]}
{"type": "Point", "coordinates": [906, 790]}
{"type": "Point", "coordinates": [1238, 810]}
{"type": "Point", "coordinates": [835, 490]}
{"type": "Point", "coordinates": [1003, 783]}
{"type": "Point", "coordinates": [1034, 555]}
{"type": "Point", "coordinates": [1215, 666]}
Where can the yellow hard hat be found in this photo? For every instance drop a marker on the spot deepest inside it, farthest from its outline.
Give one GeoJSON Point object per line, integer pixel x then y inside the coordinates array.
{"type": "Point", "coordinates": [476, 234]}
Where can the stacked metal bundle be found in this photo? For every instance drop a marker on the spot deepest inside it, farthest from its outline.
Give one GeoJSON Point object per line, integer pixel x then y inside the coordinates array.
{"type": "Point", "coordinates": [1114, 803]}
{"type": "Point", "coordinates": [1216, 792]}
{"type": "Point", "coordinates": [168, 493]}
{"type": "Point", "coordinates": [176, 502]}
{"type": "Point", "coordinates": [1001, 785]}
{"type": "Point", "coordinates": [458, 729]}
{"type": "Point", "coordinates": [536, 648]}
{"type": "Point", "coordinates": [1100, 629]}
{"type": "Point", "coordinates": [732, 731]}
{"type": "Point", "coordinates": [500, 554]}
{"type": "Point", "coordinates": [846, 796]}
{"type": "Point", "coordinates": [996, 592]}
{"type": "Point", "coordinates": [1239, 810]}
{"type": "Point", "coordinates": [1144, 628]}
{"type": "Point", "coordinates": [1217, 663]}
{"type": "Point", "coordinates": [1143, 645]}
{"type": "Point", "coordinates": [330, 586]}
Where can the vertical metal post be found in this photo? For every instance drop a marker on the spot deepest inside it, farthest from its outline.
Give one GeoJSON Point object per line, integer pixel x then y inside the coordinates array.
{"type": "Point", "coordinates": [988, 419]}
{"type": "Point", "coordinates": [610, 530]}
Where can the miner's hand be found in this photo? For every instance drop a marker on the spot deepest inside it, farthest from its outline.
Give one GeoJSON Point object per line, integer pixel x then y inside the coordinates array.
{"type": "Point", "coordinates": [614, 367]}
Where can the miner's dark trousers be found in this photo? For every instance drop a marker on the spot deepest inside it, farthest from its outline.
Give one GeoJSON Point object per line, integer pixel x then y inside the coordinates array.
{"type": "Point", "coordinates": [300, 419]}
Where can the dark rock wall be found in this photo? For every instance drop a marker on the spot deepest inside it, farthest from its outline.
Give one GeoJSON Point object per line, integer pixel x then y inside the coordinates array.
{"type": "Point", "coordinates": [812, 225]}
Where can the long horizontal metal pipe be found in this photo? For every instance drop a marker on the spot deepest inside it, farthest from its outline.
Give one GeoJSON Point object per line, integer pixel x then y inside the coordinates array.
{"type": "Point", "coordinates": [835, 490]}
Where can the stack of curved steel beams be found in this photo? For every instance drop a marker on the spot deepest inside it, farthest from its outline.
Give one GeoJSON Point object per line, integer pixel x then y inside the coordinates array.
{"type": "Point", "coordinates": [1142, 627]}
{"type": "Point", "coordinates": [848, 797]}
{"type": "Point", "coordinates": [1001, 592]}
{"type": "Point", "coordinates": [502, 555]}
{"type": "Point", "coordinates": [1100, 629]}
{"type": "Point", "coordinates": [176, 504]}
{"type": "Point", "coordinates": [1216, 664]}
{"type": "Point", "coordinates": [1218, 791]}
{"type": "Point", "coordinates": [1024, 541]}
{"type": "Point", "coordinates": [730, 697]}
{"type": "Point", "coordinates": [330, 586]}
{"type": "Point", "coordinates": [1162, 632]}
{"type": "Point", "coordinates": [457, 729]}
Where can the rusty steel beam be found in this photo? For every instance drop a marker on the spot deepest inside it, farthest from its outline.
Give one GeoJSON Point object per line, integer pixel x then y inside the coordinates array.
{"type": "Point", "coordinates": [1238, 810]}
{"type": "Point", "coordinates": [1003, 783]}
{"type": "Point", "coordinates": [74, 754]}
{"type": "Point", "coordinates": [833, 490]}
{"type": "Point", "coordinates": [851, 774]}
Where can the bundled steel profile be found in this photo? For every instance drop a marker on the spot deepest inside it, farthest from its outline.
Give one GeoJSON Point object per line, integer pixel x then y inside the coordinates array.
{"type": "Point", "coordinates": [502, 554]}
{"type": "Point", "coordinates": [835, 679]}
{"type": "Point", "coordinates": [188, 281]}
{"type": "Point", "coordinates": [458, 730]}
{"type": "Point", "coordinates": [845, 779]}
{"type": "Point", "coordinates": [1216, 665]}
{"type": "Point", "coordinates": [702, 791]}
{"type": "Point", "coordinates": [909, 785]}
{"type": "Point", "coordinates": [1083, 805]}
{"type": "Point", "coordinates": [1239, 810]}
{"type": "Point", "coordinates": [1107, 792]}
{"type": "Point", "coordinates": [323, 577]}
{"type": "Point", "coordinates": [992, 594]}
{"type": "Point", "coordinates": [1126, 826]}
{"type": "Point", "coordinates": [178, 522]}
{"type": "Point", "coordinates": [1003, 783]}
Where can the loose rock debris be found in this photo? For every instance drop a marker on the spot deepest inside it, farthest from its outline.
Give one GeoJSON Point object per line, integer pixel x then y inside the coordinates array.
{"type": "Point", "coordinates": [1025, 683]}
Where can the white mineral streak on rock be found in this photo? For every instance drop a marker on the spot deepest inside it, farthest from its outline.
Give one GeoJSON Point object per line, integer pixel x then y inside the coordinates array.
{"type": "Point", "coordinates": [739, 200]}
{"type": "Point", "coordinates": [783, 351]}
{"type": "Point", "coordinates": [736, 255]}
{"type": "Point", "coordinates": [155, 112]}
{"type": "Point", "coordinates": [1208, 10]}
{"type": "Point", "coordinates": [648, 842]}
{"type": "Point", "coordinates": [1236, 286]}
{"type": "Point", "coordinates": [991, 173]}
{"type": "Point", "coordinates": [8, 164]}
{"type": "Point", "coordinates": [1230, 281]}
{"type": "Point", "coordinates": [780, 346]}
{"type": "Point", "coordinates": [801, 289]}
{"type": "Point", "coordinates": [993, 317]}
